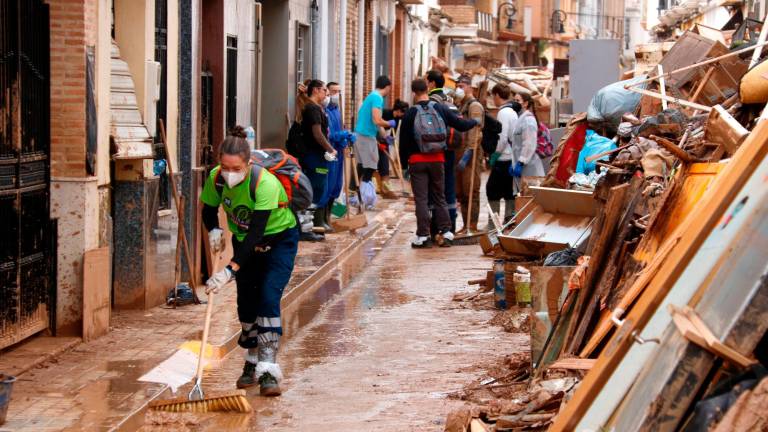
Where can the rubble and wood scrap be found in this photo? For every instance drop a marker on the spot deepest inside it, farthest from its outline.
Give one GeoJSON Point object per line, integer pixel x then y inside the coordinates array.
{"type": "Point", "coordinates": [658, 191]}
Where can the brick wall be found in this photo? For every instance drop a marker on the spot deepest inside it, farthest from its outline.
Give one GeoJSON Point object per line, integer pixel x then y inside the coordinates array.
{"type": "Point", "coordinates": [349, 91]}
{"type": "Point", "coordinates": [369, 64]}
{"type": "Point", "coordinates": [461, 14]}
{"type": "Point", "coordinates": [73, 27]}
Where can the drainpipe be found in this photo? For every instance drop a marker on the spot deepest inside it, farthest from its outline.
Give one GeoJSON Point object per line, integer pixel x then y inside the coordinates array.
{"type": "Point", "coordinates": [343, 49]}
{"type": "Point", "coordinates": [314, 19]}
{"type": "Point", "coordinates": [258, 59]}
{"type": "Point", "coordinates": [360, 51]}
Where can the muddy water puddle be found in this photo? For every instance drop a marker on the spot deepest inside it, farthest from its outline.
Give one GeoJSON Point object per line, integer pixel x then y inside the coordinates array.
{"type": "Point", "coordinates": [327, 320]}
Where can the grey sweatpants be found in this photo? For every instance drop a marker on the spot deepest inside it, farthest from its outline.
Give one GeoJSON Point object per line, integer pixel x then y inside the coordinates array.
{"type": "Point", "coordinates": [366, 151]}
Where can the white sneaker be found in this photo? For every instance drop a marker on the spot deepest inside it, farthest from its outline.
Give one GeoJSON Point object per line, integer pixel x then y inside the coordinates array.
{"type": "Point", "coordinates": [421, 242]}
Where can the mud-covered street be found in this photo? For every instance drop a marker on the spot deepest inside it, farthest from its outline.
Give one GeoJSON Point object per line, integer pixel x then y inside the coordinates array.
{"type": "Point", "coordinates": [383, 354]}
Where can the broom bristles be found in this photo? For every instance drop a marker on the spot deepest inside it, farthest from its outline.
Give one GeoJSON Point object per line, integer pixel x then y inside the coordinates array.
{"type": "Point", "coordinates": [223, 401]}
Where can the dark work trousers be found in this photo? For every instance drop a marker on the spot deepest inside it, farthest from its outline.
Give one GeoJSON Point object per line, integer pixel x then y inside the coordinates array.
{"type": "Point", "coordinates": [500, 184]}
{"type": "Point", "coordinates": [315, 167]}
{"type": "Point", "coordinates": [428, 183]}
{"type": "Point", "coordinates": [383, 166]}
{"type": "Point", "coordinates": [260, 284]}
{"type": "Point", "coordinates": [450, 193]}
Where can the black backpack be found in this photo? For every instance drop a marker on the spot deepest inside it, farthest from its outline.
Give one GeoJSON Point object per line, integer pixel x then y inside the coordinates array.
{"type": "Point", "coordinates": [295, 143]}
{"type": "Point", "coordinates": [491, 131]}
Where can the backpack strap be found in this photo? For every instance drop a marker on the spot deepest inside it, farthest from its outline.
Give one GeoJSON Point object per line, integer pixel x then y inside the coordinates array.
{"type": "Point", "coordinates": [256, 173]}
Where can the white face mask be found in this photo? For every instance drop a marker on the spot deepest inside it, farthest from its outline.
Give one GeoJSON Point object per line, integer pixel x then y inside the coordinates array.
{"type": "Point", "coordinates": [326, 101]}
{"type": "Point", "coordinates": [335, 99]}
{"type": "Point", "coordinates": [233, 178]}
{"type": "Point", "coordinates": [458, 94]}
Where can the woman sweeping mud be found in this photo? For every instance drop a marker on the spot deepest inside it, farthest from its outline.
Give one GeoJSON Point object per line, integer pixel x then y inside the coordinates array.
{"type": "Point", "coordinates": [265, 240]}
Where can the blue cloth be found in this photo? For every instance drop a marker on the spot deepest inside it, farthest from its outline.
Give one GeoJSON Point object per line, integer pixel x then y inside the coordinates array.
{"type": "Point", "coordinates": [260, 285]}
{"type": "Point", "coordinates": [365, 125]}
{"type": "Point", "coordinates": [593, 144]}
{"type": "Point", "coordinates": [315, 167]}
{"type": "Point", "coordinates": [335, 168]}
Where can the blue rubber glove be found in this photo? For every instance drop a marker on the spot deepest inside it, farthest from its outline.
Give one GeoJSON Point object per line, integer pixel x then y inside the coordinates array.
{"type": "Point", "coordinates": [351, 137]}
{"type": "Point", "coordinates": [392, 124]}
{"type": "Point", "coordinates": [465, 159]}
{"type": "Point", "coordinates": [390, 140]}
{"type": "Point", "coordinates": [517, 169]}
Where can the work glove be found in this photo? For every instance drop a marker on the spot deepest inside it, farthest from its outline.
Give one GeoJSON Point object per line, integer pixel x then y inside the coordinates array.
{"type": "Point", "coordinates": [516, 170]}
{"type": "Point", "coordinates": [392, 124]}
{"type": "Point", "coordinates": [219, 279]}
{"type": "Point", "coordinates": [216, 239]}
{"type": "Point", "coordinates": [159, 166]}
{"type": "Point", "coordinates": [330, 157]}
{"type": "Point", "coordinates": [465, 159]}
{"type": "Point", "coordinates": [494, 157]}
{"type": "Point", "coordinates": [390, 141]}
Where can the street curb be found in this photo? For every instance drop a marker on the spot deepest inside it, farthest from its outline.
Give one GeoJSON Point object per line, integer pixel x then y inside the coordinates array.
{"type": "Point", "coordinates": [134, 420]}
{"type": "Point", "coordinates": [45, 358]}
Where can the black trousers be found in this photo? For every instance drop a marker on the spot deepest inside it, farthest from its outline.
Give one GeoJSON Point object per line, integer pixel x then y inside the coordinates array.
{"type": "Point", "coordinates": [500, 184]}
{"type": "Point", "coordinates": [428, 183]}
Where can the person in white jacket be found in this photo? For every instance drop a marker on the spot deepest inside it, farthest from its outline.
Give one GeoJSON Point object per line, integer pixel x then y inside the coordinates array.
{"type": "Point", "coordinates": [500, 181]}
{"type": "Point", "coordinates": [524, 139]}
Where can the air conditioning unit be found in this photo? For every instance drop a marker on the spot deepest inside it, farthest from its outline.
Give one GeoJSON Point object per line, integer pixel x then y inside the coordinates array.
{"type": "Point", "coordinates": [152, 71]}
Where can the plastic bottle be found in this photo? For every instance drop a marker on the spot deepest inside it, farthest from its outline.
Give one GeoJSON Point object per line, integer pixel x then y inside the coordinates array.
{"type": "Point", "coordinates": [499, 294]}
{"type": "Point", "coordinates": [250, 136]}
{"type": "Point", "coordinates": [522, 282]}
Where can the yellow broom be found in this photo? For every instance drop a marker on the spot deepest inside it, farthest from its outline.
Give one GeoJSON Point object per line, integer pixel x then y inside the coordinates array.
{"type": "Point", "coordinates": [197, 401]}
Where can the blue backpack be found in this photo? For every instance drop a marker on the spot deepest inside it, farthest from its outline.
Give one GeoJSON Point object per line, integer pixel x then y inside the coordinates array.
{"type": "Point", "coordinates": [429, 129]}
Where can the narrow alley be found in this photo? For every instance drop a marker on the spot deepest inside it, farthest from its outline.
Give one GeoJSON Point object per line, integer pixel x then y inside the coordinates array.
{"type": "Point", "coordinates": [384, 215]}
{"type": "Point", "coordinates": [384, 354]}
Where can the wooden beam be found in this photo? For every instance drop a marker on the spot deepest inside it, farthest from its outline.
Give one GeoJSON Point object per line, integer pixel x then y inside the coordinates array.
{"type": "Point", "coordinates": [661, 274]}
{"type": "Point", "coordinates": [673, 148]}
{"type": "Point", "coordinates": [678, 101]}
{"type": "Point", "coordinates": [662, 87]}
{"type": "Point", "coordinates": [700, 64]}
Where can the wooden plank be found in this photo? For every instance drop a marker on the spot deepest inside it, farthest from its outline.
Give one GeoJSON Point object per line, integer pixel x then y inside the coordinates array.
{"type": "Point", "coordinates": [611, 217]}
{"type": "Point", "coordinates": [573, 363]}
{"type": "Point", "coordinates": [673, 148]}
{"type": "Point", "coordinates": [96, 293]}
{"type": "Point", "coordinates": [663, 273]}
{"type": "Point", "coordinates": [725, 130]}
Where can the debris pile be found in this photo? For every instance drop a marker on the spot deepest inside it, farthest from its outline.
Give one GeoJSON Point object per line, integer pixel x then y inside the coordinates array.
{"type": "Point", "coordinates": [646, 247]}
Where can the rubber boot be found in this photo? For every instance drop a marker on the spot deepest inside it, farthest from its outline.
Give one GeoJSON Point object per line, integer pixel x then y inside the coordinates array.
{"type": "Point", "coordinates": [378, 182]}
{"type": "Point", "coordinates": [327, 218]}
{"type": "Point", "coordinates": [306, 222]}
{"type": "Point", "coordinates": [386, 193]}
{"type": "Point", "coordinates": [268, 370]}
{"type": "Point", "coordinates": [496, 207]}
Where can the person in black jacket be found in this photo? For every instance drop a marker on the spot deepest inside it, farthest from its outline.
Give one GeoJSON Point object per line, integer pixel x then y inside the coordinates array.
{"type": "Point", "coordinates": [427, 169]}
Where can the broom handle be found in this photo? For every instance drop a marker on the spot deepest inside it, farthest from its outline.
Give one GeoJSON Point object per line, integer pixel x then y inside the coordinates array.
{"type": "Point", "coordinates": [359, 185]}
{"type": "Point", "coordinates": [346, 182]}
{"type": "Point", "coordinates": [471, 192]}
{"type": "Point", "coordinates": [208, 313]}
{"type": "Point", "coordinates": [177, 202]}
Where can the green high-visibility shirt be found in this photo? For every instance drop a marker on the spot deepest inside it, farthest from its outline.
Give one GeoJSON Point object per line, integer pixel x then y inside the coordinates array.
{"type": "Point", "coordinates": [238, 204]}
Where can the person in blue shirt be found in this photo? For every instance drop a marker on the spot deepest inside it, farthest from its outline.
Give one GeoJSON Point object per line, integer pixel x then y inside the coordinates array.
{"type": "Point", "coordinates": [369, 119]}
{"type": "Point", "coordinates": [340, 139]}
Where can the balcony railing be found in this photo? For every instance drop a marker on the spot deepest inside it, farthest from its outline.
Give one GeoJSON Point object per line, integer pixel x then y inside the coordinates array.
{"type": "Point", "coordinates": [485, 25]}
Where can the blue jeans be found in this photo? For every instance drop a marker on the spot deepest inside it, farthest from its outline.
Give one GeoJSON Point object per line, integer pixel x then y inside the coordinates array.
{"type": "Point", "coordinates": [260, 285]}
{"type": "Point", "coordinates": [315, 167]}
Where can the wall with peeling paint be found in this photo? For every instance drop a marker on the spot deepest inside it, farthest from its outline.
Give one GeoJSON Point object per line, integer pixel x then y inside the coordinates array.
{"type": "Point", "coordinates": [75, 203]}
